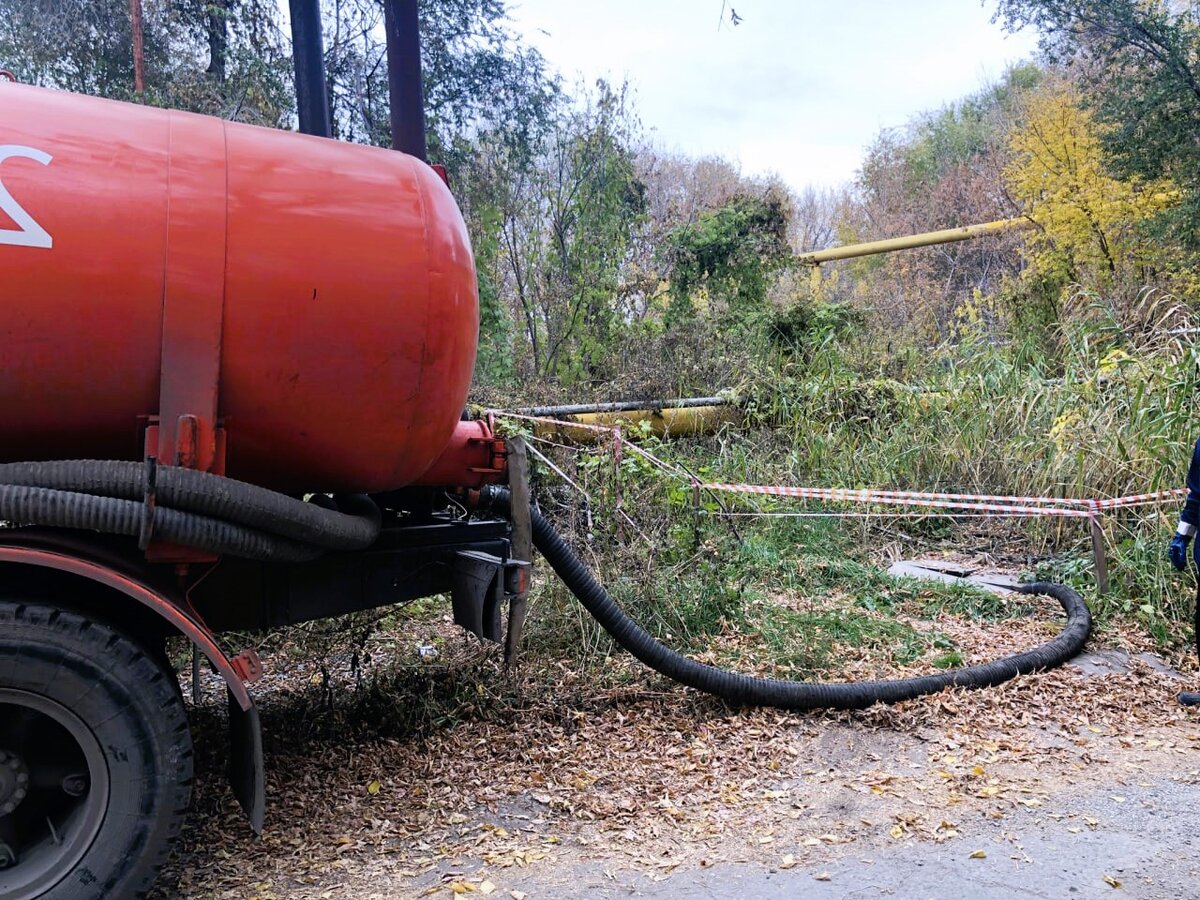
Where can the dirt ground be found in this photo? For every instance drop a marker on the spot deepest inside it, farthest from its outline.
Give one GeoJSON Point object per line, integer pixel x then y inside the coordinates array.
{"type": "Point", "coordinates": [1076, 782]}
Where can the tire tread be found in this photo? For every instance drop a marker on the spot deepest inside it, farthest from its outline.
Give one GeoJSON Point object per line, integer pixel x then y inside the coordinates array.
{"type": "Point", "coordinates": [82, 634]}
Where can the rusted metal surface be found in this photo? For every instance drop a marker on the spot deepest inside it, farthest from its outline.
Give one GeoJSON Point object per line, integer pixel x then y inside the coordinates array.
{"type": "Point", "coordinates": [331, 286]}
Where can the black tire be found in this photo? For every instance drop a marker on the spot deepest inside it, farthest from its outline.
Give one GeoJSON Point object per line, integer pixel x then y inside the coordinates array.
{"type": "Point", "coordinates": [62, 673]}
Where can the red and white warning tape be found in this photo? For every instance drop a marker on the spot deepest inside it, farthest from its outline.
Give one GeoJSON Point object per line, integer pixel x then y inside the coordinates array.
{"type": "Point", "coordinates": [962, 504]}
{"type": "Point", "coordinates": [983, 503]}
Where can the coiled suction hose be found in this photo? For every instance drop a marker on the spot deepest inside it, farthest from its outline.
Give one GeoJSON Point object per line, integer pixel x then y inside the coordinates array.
{"type": "Point", "coordinates": [796, 695]}
{"type": "Point", "coordinates": [195, 509]}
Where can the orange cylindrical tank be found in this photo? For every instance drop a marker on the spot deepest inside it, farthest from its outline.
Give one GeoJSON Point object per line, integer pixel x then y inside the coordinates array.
{"type": "Point", "coordinates": [327, 290]}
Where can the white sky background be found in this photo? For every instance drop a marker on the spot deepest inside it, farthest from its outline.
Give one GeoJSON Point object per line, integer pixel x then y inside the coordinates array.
{"type": "Point", "coordinates": [800, 87]}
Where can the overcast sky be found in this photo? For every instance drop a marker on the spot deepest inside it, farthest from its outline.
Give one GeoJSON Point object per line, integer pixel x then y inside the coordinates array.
{"type": "Point", "coordinates": [800, 87]}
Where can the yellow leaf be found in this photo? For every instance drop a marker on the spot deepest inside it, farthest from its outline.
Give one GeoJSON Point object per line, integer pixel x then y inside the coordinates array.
{"type": "Point", "coordinates": [1111, 882]}
{"type": "Point", "coordinates": [897, 831]}
{"type": "Point", "coordinates": [789, 861]}
{"type": "Point", "coordinates": [373, 788]}
{"type": "Point", "coordinates": [461, 887]}
{"type": "Point", "coordinates": [977, 854]}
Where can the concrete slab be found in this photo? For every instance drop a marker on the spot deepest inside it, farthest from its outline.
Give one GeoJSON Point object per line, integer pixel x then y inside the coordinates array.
{"type": "Point", "coordinates": [1119, 662]}
{"type": "Point", "coordinates": [952, 573]}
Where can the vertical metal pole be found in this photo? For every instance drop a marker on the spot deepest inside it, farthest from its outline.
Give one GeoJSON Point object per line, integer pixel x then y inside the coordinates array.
{"type": "Point", "coordinates": [402, 26]}
{"type": "Point", "coordinates": [308, 55]}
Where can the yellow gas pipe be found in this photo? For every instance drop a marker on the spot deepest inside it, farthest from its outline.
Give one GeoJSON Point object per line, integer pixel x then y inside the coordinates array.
{"type": "Point", "coordinates": [890, 245]}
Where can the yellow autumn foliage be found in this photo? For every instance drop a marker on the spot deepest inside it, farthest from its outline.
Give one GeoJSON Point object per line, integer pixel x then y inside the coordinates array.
{"type": "Point", "coordinates": [1087, 219]}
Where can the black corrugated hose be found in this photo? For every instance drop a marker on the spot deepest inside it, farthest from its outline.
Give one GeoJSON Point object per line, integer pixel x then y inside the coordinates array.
{"type": "Point", "coordinates": [796, 695]}
{"type": "Point", "coordinates": [195, 509]}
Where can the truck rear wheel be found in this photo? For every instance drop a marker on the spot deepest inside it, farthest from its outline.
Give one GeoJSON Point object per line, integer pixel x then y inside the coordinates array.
{"type": "Point", "coordinates": [95, 758]}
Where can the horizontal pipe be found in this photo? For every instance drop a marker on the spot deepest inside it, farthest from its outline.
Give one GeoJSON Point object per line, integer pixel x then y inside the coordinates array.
{"type": "Point", "coordinates": [620, 406]}
{"type": "Point", "coordinates": [925, 239]}
{"type": "Point", "coordinates": [666, 422]}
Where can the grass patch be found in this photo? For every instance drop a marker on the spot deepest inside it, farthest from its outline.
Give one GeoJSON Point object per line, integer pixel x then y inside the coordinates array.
{"type": "Point", "coordinates": [796, 597]}
{"type": "Point", "coordinates": [814, 644]}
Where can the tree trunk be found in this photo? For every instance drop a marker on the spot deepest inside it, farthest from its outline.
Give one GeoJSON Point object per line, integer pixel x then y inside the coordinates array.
{"type": "Point", "coordinates": [139, 51]}
{"type": "Point", "coordinates": [218, 38]}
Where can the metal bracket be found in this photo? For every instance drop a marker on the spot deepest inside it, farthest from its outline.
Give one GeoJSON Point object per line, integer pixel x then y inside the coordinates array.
{"type": "Point", "coordinates": [193, 294]}
{"type": "Point", "coordinates": [248, 666]}
{"type": "Point", "coordinates": [522, 544]}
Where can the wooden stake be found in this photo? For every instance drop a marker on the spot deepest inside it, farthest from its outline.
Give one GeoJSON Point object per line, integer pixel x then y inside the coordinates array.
{"type": "Point", "coordinates": [1099, 560]}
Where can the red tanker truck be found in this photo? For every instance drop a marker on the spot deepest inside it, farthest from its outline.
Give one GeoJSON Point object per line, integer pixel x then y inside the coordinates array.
{"type": "Point", "coordinates": [233, 364]}
{"type": "Point", "coordinates": [248, 316]}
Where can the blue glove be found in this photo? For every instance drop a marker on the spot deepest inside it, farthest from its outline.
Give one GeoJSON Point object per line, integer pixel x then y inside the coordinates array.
{"type": "Point", "coordinates": [1178, 551]}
